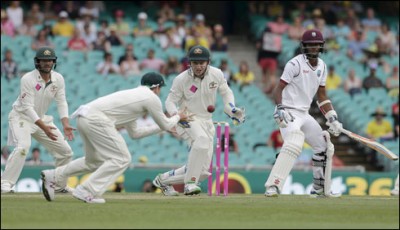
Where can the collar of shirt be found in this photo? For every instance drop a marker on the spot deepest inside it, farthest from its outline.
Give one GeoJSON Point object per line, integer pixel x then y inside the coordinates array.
{"type": "Point", "coordinates": [40, 79]}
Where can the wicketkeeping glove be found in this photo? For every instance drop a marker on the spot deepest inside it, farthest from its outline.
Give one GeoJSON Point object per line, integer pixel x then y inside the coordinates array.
{"type": "Point", "coordinates": [282, 117]}
{"type": "Point", "coordinates": [237, 115]}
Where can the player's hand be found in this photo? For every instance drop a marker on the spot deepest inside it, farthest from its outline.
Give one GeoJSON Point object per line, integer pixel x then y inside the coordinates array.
{"type": "Point", "coordinates": [68, 131]}
{"type": "Point", "coordinates": [185, 118]}
{"type": "Point", "coordinates": [335, 127]}
{"type": "Point", "coordinates": [238, 115]}
{"type": "Point", "coordinates": [282, 117]}
{"type": "Point", "coordinates": [49, 133]}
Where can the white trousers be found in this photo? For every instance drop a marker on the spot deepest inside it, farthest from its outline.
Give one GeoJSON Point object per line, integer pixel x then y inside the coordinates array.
{"type": "Point", "coordinates": [20, 132]}
{"type": "Point", "coordinates": [106, 155]}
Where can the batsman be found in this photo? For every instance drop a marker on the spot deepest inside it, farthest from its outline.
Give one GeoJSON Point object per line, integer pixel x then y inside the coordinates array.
{"type": "Point", "coordinates": [303, 77]}
{"type": "Point", "coordinates": [196, 89]}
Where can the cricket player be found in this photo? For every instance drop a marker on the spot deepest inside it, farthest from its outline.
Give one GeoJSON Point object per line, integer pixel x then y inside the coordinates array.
{"type": "Point", "coordinates": [395, 190]}
{"type": "Point", "coordinates": [196, 89]}
{"type": "Point", "coordinates": [106, 153]}
{"type": "Point", "coordinates": [303, 77]}
{"type": "Point", "coordinates": [28, 118]}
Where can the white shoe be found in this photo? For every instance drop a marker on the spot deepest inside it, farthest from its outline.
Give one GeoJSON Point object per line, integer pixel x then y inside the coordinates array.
{"type": "Point", "coordinates": [167, 190]}
{"type": "Point", "coordinates": [48, 184]}
{"type": "Point", "coordinates": [6, 187]}
{"type": "Point", "coordinates": [65, 190]}
{"type": "Point", "coordinates": [272, 191]}
{"type": "Point", "coordinates": [191, 189]}
{"type": "Point", "coordinates": [83, 195]}
{"type": "Point", "coordinates": [319, 193]}
{"type": "Point", "coordinates": [394, 192]}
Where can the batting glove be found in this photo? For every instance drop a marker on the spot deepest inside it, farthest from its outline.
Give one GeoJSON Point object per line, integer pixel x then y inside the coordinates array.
{"type": "Point", "coordinates": [335, 126]}
{"type": "Point", "coordinates": [282, 118]}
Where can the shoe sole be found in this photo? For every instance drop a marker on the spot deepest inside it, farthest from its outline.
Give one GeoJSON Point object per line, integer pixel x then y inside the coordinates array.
{"type": "Point", "coordinates": [271, 195]}
{"type": "Point", "coordinates": [195, 192]}
{"type": "Point", "coordinates": [44, 190]}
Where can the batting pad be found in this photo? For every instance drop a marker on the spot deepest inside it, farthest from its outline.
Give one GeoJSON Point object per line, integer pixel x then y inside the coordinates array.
{"type": "Point", "coordinates": [291, 149]}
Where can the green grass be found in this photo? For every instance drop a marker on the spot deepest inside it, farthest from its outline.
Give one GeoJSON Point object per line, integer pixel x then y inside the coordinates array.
{"type": "Point", "coordinates": [139, 210]}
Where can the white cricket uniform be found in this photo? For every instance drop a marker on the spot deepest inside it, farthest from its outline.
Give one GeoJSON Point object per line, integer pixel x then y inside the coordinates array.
{"type": "Point", "coordinates": [32, 104]}
{"type": "Point", "coordinates": [106, 152]}
{"type": "Point", "coordinates": [196, 95]}
{"type": "Point", "coordinates": [303, 81]}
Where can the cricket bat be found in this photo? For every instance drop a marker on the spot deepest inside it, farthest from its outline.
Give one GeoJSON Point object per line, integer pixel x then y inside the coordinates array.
{"type": "Point", "coordinates": [372, 144]}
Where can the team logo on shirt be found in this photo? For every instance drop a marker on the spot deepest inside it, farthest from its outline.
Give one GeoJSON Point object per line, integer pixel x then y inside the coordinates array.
{"type": "Point", "coordinates": [53, 89]}
{"type": "Point", "coordinates": [38, 87]}
{"type": "Point", "coordinates": [319, 73]}
{"type": "Point", "coordinates": [213, 85]}
{"type": "Point", "coordinates": [193, 88]}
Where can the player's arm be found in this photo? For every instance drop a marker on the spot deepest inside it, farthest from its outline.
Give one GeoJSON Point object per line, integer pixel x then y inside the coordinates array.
{"type": "Point", "coordinates": [62, 107]}
{"type": "Point", "coordinates": [174, 96]}
{"type": "Point", "coordinates": [325, 105]}
{"type": "Point", "coordinates": [136, 132]}
{"type": "Point", "coordinates": [237, 115]}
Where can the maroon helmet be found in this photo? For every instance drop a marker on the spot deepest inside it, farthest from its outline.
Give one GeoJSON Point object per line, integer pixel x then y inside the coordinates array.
{"type": "Point", "coordinates": [315, 38]}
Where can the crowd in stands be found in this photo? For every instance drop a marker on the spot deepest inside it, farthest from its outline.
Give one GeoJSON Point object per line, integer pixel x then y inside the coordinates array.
{"type": "Point", "coordinates": [351, 30]}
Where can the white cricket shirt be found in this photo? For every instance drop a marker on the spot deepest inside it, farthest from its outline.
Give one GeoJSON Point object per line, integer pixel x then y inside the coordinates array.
{"type": "Point", "coordinates": [303, 81]}
{"type": "Point", "coordinates": [197, 94]}
{"type": "Point", "coordinates": [35, 96]}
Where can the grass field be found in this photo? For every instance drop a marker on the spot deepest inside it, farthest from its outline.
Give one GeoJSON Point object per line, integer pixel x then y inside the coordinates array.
{"type": "Point", "coordinates": [140, 210]}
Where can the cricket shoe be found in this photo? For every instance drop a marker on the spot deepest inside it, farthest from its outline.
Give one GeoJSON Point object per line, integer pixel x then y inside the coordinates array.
{"type": "Point", "coordinates": [394, 192]}
{"type": "Point", "coordinates": [83, 195]}
{"type": "Point", "coordinates": [6, 187]}
{"type": "Point", "coordinates": [272, 191]}
{"type": "Point", "coordinates": [167, 190]}
{"type": "Point", "coordinates": [319, 193]}
{"type": "Point", "coordinates": [191, 189]}
{"type": "Point", "coordinates": [65, 190]}
{"type": "Point", "coordinates": [48, 184]}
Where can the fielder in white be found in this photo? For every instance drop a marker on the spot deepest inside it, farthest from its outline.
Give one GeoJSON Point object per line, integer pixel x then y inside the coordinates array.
{"type": "Point", "coordinates": [196, 89]}
{"type": "Point", "coordinates": [303, 77]}
{"type": "Point", "coordinates": [106, 153]}
{"type": "Point", "coordinates": [28, 118]}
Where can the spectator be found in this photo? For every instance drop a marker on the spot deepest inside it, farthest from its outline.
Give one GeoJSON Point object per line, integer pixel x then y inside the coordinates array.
{"type": "Point", "coordinates": [5, 153]}
{"type": "Point", "coordinates": [395, 116]}
{"type": "Point", "coordinates": [370, 22]}
{"type": "Point", "coordinates": [107, 66]}
{"type": "Point", "coordinates": [279, 26]}
{"type": "Point", "coordinates": [202, 29]}
{"type": "Point", "coordinates": [121, 26]}
{"type": "Point", "coordinates": [352, 84]}
{"type": "Point", "coordinates": [275, 140]}
{"type": "Point", "coordinates": [195, 38]}
{"type": "Point", "coordinates": [15, 13]}
{"type": "Point", "coordinates": [72, 8]}
{"type": "Point", "coordinates": [35, 158]}
{"type": "Point", "coordinates": [181, 29]}
{"type": "Point", "coordinates": [114, 38]}
{"type": "Point", "coordinates": [233, 145]}
{"type": "Point", "coordinates": [148, 186]}
{"type": "Point", "coordinates": [7, 27]}
{"type": "Point", "coordinates": [35, 14]}
{"type": "Point", "coordinates": [387, 38]}
{"type": "Point", "coordinates": [9, 68]}
{"type": "Point", "coordinates": [41, 40]}
{"type": "Point", "coordinates": [379, 129]}
{"type": "Point", "coordinates": [142, 29]}
{"type": "Point", "coordinates": [129, 66]}
{"type": "Point", "coordinates": [88, 36]}
{"type": "Point", "coordinates": [166, 12]}
{"type": "Point", "coordinates": [86, 20]}
{"type": "Point", "coordinates": [101, 43]}
{"type": "Point", "coordinates": [172, 66]}
{"type": "Point", "coordinates": [341, 30]}
{"type": "Point", "coordinates": [153, 63]}
{"type": "Point", "coordinates": [296, 30]}
{"type": "Point", "coordinates": [244, 76]}
{"type": "Point", "coordinates": [372, 81]}
{"type": "Point", "coordinates": [89, 9]}
{"type": "Point", "coordinates": [392, 82]}
{"type": "Point", "coordinates": [269, 47]}
{"type": "Point", "coordinates": [77, 42]}
{"type": "Point", "coordinates": [226, 71]}
{"type": "Point", "coordinates": [63, 27]}
{"type": "Point", "coordinates": [355, 47]}
{"type": "Point", "coordinates": [219, 41]}
{"type": "Point", "coordinates": [104, 27]}
{"type": "Point", "coordinates": [333, 81]}
{"type": "Point", "coordinates": [129, 50]}
{"type": "Point", "coordinates": [28, 28]}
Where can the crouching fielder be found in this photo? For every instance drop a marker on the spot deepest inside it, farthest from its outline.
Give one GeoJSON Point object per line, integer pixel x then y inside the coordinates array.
{"type": "Point", "coordinates": [303, 77]}
{"type": "Point", "coordinates": [106, 153]}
